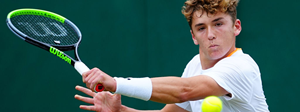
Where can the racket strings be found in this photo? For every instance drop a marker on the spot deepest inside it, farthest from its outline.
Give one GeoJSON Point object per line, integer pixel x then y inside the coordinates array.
{"type": "Point", "coordinates": [45, 30]}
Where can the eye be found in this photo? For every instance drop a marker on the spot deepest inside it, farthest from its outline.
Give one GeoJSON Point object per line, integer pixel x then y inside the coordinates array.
{"type": "Point", "coordinates": [201, 28]}
{"type": "Point", "coordinates": [219, 24]}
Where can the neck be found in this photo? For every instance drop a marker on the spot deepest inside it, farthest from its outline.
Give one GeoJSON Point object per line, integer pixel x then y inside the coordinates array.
{"type": "Point", "coordinates": [207, 63]}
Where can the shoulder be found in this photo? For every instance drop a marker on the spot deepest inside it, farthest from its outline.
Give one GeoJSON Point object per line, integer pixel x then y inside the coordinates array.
{"type": "Point", "coordinates": [192, 67]}
{"type": "Point", "coordinates": [239, 70]}
{"type": "Point", "coordinates": [235, 68]}
{"type": "Point", "coordinates": [194, 61]}
{"type": "Point", "coordinates": [239, 60]}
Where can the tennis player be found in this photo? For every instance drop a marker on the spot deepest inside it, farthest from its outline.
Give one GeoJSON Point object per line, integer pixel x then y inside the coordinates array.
{"type": "Point", "coordinates": [219, 69]}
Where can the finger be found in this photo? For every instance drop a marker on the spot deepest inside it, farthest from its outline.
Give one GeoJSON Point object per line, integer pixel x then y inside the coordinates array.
{"type": "Point", "coordinates": [85, 90]}
{"type": "Point", "coordinates": [88, 73]}
{"type": "Point", "coordinates": [85, 74]}
{"type": "Point", "coordinates": [96, 80]}
{"type": "Point", "coordinates": [90, 76]}
{"type": "Point", "coordinates": [84, 99]}
{"type": "Point", "coordinates": [90, 108]}
{"type": "Point", "coordinates": [87, 85]}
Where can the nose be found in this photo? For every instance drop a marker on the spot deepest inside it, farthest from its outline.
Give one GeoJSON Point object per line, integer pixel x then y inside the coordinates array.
{"type": "Point", "coordinates": [210, 33]}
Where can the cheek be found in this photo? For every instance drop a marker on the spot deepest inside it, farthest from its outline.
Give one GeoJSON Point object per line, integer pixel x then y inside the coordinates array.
{"type": "Point", "coordinates": [227, 33]}
{"type": "Point", "coordinates": [229, 39]}
{"type": "Point", "coordinates": [203, 44]}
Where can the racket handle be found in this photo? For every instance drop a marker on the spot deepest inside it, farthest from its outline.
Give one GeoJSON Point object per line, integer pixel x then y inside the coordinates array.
{"type": "Point", "coordinates": [81, 68]}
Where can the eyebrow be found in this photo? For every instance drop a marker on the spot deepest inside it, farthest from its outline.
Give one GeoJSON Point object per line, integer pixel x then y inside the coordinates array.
{"type": "Point", "coordinates": [217, 19]}
{"type": "Point", "coordinates": [200, 24]}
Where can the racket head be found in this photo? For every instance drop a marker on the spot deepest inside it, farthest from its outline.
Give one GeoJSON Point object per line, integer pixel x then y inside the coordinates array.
{"type": "Point", "coordinates": [44, 29]}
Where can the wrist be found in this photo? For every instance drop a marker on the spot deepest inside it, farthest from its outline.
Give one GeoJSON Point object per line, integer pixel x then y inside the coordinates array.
{"type": "Point", "coordinates": [124, 108]}
{"type": "Point", "coordinates": [127, 109]}
{"type": "Point", "coordinates": [114, 89]}
{"type": "Point", "coordinates": [140, 88]}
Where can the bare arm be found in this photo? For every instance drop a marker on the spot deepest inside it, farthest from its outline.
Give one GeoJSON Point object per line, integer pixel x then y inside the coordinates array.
{"type": "Point", "coordinates": [167, 108]}
{"type": "Point", "coordinates": [176, 89]}
{"type": "Point", "coordinates": [164, 89]}
{"type": "Point", "coordinates": [107, 102]}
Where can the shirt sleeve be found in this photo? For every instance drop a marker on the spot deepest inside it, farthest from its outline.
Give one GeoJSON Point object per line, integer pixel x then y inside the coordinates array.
{"type": "Point", "coordinates": [185, 106]}
{"type": "Point", "coordinates": [236, 76]}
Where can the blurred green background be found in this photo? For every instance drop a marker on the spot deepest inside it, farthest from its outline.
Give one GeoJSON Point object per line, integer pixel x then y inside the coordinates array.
{"type": "Point", "coordinates": [139, 38]}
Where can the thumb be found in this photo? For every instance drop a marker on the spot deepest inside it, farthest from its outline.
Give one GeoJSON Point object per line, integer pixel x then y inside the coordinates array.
{"type": "Point", "coordinates": [117, 98]}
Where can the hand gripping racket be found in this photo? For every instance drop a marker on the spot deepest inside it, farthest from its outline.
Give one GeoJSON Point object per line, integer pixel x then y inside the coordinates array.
{"type": "Point", "coordinates": [51, 32]}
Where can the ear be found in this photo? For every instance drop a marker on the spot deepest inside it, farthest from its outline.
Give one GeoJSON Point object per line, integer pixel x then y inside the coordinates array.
{"type": "Point", "coordinates": [237, 27]}
{"type": "Point", "coordinates": [194, 39]}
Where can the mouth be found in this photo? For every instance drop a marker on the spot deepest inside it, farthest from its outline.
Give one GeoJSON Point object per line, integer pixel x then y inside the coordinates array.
{"type": "Point", "coordinates": [213, 46]}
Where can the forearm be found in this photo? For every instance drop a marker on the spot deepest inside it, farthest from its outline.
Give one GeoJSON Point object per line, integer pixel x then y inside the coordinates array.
{"type": "Point", "coordinates": [175, 89]}
{"type": "Point", "coordinates": [169, 89]}
{"type": "Point", "coordinates": [128, 109]}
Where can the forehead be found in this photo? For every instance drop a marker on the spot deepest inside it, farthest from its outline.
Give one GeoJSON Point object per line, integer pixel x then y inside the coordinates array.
{"type": "Point", "coordinates": [203, 16]}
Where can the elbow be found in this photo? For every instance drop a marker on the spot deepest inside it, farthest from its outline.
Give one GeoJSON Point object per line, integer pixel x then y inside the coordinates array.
{"type": "Point", "coordinates": [190, 93]}
{"type": "Point", "coordinates": [185, 94]}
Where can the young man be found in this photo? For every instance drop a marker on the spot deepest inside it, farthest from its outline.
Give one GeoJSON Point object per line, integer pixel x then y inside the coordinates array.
{"type": "Point", "coordinates": [219, 69]}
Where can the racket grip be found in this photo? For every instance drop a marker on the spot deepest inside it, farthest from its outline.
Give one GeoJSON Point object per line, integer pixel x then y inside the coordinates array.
{"type": "Point", "coordinates": [81, 68]}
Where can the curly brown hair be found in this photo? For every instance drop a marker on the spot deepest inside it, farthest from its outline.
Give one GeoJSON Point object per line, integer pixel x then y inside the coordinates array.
{"type": "Point", "coordinates": [210, 7]}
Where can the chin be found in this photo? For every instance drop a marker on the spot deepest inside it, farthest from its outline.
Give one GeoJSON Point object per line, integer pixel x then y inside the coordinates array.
{"type": "Point", "coordinates": [217, 56]}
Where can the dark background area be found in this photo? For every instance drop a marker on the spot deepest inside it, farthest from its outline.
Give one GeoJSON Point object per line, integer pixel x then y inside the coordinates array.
{"type": "Point", "coordinates": [139, 38]}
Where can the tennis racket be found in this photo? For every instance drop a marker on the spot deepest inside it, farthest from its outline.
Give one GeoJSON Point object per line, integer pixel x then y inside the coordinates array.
{"type": "Point", "coordinates": [51, 32]}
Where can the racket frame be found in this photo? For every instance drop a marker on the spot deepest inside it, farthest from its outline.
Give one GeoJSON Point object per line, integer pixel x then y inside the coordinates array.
{"type": "Point", "coordinates": [46, 46]}
{"type": "Point", "coordinates": [77, 64]}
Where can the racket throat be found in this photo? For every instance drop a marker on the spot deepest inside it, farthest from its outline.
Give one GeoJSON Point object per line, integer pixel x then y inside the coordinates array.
{"type": "Point", "coordinates": [60, 54]}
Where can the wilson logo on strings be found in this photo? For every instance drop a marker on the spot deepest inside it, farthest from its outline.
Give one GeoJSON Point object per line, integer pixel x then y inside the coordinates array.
{"type": "Point", "coordinates": [45, 29]}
